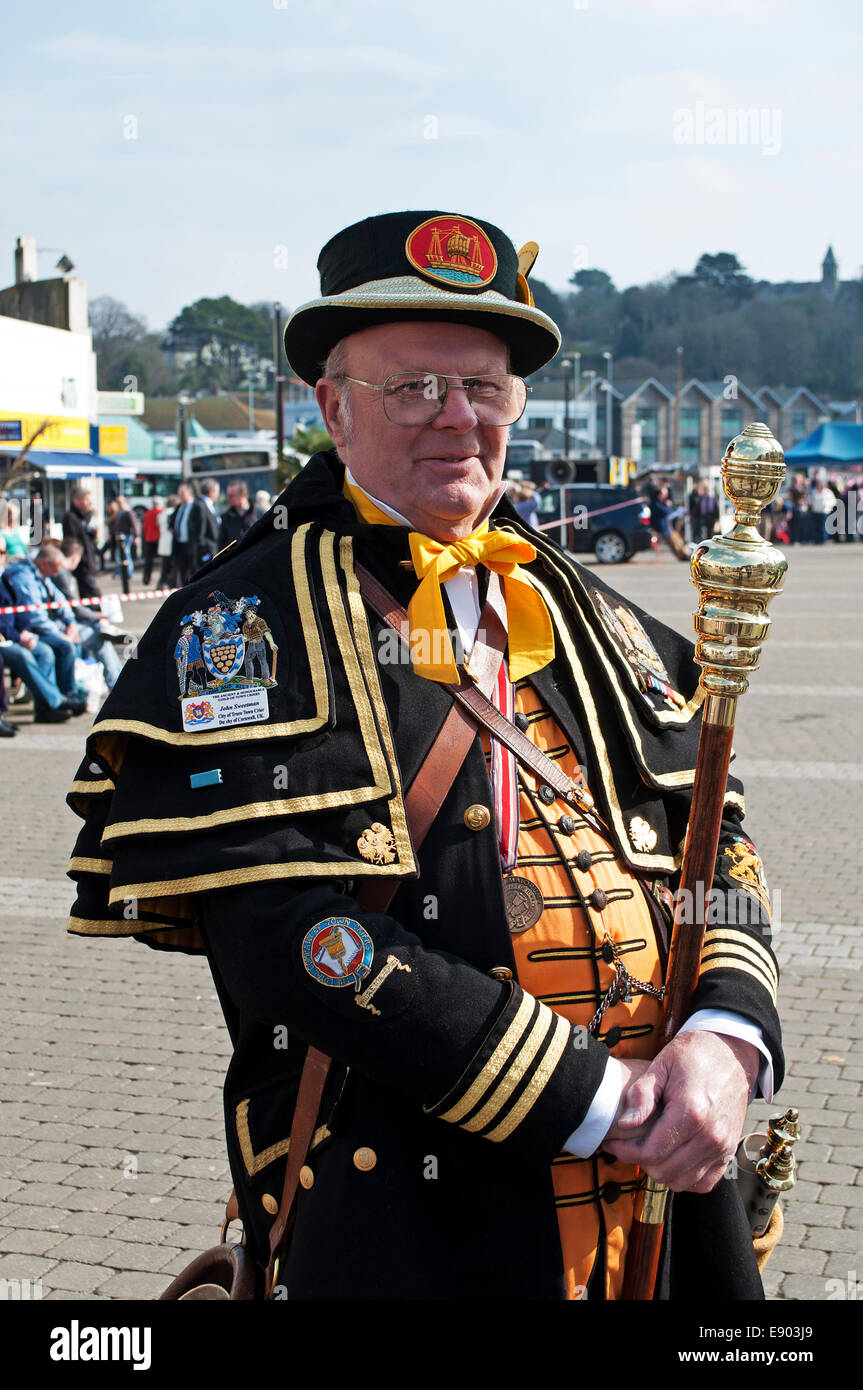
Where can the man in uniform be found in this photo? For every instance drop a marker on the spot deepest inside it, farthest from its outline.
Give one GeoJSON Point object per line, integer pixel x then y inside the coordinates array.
{"type": "Point", "coordinates": [496, 1073]}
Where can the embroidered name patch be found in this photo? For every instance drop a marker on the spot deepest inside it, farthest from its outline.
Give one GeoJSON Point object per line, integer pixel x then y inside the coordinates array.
{"type": "Point", "coordinates": [338, 952]}
{"type": "Point", "coordinates": [226, 659]}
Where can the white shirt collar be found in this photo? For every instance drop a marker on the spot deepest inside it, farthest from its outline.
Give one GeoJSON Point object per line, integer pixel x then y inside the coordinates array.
{"type": "Point", "coordinates": [402, 520]}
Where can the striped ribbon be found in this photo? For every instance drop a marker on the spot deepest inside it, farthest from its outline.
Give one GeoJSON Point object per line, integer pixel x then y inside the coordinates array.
{"type": "Point", "coordinates": [504, 775]}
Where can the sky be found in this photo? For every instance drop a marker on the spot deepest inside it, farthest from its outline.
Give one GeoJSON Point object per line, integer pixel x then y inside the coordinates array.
{"type": "Point", "coordinates": [176, 149]}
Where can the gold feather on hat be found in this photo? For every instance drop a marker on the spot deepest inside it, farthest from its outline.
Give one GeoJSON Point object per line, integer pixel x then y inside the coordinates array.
{"type": "Point", "coordinates": [526, 257]}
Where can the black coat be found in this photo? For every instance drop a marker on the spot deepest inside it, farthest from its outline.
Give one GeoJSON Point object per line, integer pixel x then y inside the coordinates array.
{"type": "Point", "coordinates": [248, 866]}
{"type": "Point", "coordinates": [77, 528]}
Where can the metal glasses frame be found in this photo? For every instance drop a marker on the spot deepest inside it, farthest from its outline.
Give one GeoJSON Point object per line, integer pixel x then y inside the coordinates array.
{"type": "Point", "coordinates": [485, 376]}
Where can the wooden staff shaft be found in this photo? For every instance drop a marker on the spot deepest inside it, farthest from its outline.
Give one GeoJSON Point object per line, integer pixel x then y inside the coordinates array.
{"type": "Point", "coordinates": [684, 961]}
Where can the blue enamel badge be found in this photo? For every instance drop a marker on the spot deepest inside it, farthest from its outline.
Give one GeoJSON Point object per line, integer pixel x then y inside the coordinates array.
{"type": "Point", "coordinates": [337, 952]}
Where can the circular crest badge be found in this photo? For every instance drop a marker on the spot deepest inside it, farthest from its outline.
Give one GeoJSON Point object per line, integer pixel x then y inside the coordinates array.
{"type": "Point", "coordinates": [338, 952]}
{"type": "Point", "coordinates": [453, 250]}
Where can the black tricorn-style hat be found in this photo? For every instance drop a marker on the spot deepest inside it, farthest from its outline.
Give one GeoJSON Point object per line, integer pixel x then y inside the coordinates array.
{"type": "Point", "coordinates": [429, 266]}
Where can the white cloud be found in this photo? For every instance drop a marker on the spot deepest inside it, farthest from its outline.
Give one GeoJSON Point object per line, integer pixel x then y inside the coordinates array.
{"type": "Point", "coordinates": [333, 61]}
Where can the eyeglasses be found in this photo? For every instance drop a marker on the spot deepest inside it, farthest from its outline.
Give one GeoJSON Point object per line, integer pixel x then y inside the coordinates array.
{"type": "Point", "coordinates": [417, 398]}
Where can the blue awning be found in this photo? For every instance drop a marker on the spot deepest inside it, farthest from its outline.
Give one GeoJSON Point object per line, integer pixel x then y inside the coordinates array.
{"type": "Point", "coordinates": [59, 464]}
{"type": "Point", "coordinates": [835, 442]}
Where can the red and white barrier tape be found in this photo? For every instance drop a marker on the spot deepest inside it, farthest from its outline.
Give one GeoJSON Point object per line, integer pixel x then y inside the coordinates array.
{"type": "Point", "coordinates": [88, 602]}
{"type": "Point", "coordinates": [577, 516]}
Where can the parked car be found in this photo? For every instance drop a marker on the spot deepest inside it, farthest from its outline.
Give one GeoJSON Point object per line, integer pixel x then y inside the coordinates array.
{"type": "Point", "coordinates": [610, 520]}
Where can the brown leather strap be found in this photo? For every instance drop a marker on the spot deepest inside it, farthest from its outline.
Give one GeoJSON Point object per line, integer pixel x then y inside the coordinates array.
{"type": "Point", "coordinates": [424, 799]}
{"type": "Point", "coordinates": [312, 1082]}
{"type": "Point", "coordinates": [431, 785]}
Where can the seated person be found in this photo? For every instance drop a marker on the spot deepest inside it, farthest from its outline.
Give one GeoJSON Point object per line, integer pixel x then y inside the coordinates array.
{"type": "Point", "coordinates": [31, 659]}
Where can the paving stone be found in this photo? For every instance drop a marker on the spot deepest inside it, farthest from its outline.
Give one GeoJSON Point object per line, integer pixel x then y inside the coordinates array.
{"type": "Point", "coordinates": [77, 1278]}
{"type": "Point", "coordinates": [136, 1285]}
{"type": "Point", "coordinates": [803, 1286]}
{"type": "Point", "coordinates": [828, 1238]}
{"type": "Point", "coordinates": [797, 1260]}
{"type": "Point", "coordinates": [135, 1255]}
{"type": "Point", "coordinates": [827, 1172]}
{"type": "Point", "coordinates": [82, 1249]}
{"type": "Point", "coordinates": [89, 1223]}
{"type": "Point", "coordinates": [26, 1242]}
{"type": "Point", "coordinates": [808, 1214]}
{"type": "Point", "coordinates": [26, 1266]}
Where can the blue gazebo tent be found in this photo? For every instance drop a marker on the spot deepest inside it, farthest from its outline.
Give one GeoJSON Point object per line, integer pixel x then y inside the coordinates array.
{"type": "Point", "coordinates": [831, 443]}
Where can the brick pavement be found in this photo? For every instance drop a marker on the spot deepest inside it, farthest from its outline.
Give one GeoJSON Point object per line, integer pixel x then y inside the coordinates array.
{"type": "Point", "coordinates": [112, 1169]}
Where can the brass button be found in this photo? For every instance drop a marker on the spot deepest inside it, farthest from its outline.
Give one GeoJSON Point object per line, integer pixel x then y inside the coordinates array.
{"type": "Point", "coordinates": [307, 1177]}
{"type": "Point", "coordinates": [584, 860]}
{"type": "Point", "coordinates": [567, 825]}
{"type": "Point", "coordinates": [521, 722]}
{"type": "Point", "coordinates": [547, 794]}
{"type": "Point", "coordinates": [365, 1160]}
{"type": "Point", "coordinates": [500, 972]}
{"type": "Point", "coordinates": [598, 899]}
{"type": "Point", "coordinates": [477, 817]}
{"type": "Point", "coordinates": [269, 1203]}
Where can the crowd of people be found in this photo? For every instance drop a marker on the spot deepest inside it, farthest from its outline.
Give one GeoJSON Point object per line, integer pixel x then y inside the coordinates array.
{"type": "Point", "coordinates": [179, 533]}
{"type": "Point", "coordinates": [42, 649]}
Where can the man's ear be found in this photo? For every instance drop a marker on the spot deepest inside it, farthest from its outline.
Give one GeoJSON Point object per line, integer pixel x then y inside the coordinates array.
{"type": "Point", "coordinates": [329, 402]}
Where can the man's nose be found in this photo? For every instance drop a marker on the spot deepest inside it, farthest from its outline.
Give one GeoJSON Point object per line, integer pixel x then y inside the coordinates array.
{"type": "Point", "coordinates": [457, 412]}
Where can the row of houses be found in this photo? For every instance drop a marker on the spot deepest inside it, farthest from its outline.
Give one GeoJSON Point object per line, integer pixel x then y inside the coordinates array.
{"type": "Point", "coordinates": [644, 418]}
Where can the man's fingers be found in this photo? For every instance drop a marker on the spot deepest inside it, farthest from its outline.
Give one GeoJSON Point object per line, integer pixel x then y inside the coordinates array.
{"type": "Point", "coordinates": [642, 1099]}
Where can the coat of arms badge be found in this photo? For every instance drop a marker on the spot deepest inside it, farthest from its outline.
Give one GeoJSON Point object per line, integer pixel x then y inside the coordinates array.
{"type": "Point", "coordinates": [227, 652]}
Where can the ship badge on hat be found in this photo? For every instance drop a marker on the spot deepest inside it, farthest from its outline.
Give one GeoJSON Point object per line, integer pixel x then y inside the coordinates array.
{"type": "Point", "coordinates": [452, 249]}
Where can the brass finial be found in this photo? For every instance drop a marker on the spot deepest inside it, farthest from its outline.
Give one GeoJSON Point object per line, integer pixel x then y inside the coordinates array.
{"type": "Point", "coordinates": [739, 573]}
{"type": "Point", "coordinates": [776, 1165]}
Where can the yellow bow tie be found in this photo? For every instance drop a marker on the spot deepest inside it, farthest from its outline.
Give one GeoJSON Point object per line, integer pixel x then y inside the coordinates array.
{"type": "Point", "coordinates": [531, 637]}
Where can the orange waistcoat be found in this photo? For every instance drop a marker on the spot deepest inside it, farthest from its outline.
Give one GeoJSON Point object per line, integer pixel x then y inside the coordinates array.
{"type": "Point", "coordinates": [559, 960]}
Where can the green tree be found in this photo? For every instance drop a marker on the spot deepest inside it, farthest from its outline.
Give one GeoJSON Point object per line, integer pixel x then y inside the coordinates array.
{"type": "Point", "coordinates": [223, 333]}
{"type": "Point", "coordinates": [311, 440]}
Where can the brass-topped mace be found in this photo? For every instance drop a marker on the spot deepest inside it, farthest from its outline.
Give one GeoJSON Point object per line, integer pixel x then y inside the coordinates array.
{"type": "Point", "coordinates": [736, 576]}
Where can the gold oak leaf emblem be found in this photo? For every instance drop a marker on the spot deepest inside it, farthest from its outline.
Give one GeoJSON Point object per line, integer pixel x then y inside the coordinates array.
{"type": "Point", "coordinates": [642, 835]}
{"type": "Point", "coordinates": [377, 844]}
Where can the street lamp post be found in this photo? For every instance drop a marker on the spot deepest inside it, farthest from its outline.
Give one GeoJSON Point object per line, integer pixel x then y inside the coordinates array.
{"type": "Point", "coordinates": [609, 367]}
{"type": "Point", "coordinates": [591, 405]}
{"type": "Point", "coordinates": [183, 434]}
{"type": "Point", "coordinates": [565, 365]}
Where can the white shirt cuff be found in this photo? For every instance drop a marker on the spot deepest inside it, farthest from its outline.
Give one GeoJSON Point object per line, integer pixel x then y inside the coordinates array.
{"type": "Point", "coordinates": [735, 1026]}
{"type": "Point", "coordinates": [585, 1140]}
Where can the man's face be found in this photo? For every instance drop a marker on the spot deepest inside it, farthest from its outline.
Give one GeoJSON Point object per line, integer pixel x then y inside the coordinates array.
{"type": "Point", "coordinates": [85, 503]}
{"type": "Point", "coordinates": [49, 568]}
{"type": "Point", "coordinates": [443, 475]}
{"type": "Point", "coordinates": [184, 493]}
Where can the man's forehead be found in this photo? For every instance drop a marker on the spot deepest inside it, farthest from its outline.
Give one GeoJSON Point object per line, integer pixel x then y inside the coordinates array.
{"type": "Point", "coordinates": [396, 346]}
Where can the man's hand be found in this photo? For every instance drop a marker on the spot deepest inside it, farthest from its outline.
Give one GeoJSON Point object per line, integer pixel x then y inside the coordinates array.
{"type": "Point", "coordinates": [27, 639]}
{"type": "Point", "coordinates": [73, 633]}
{"type": "Point", "coordinates": [682, 1116]}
